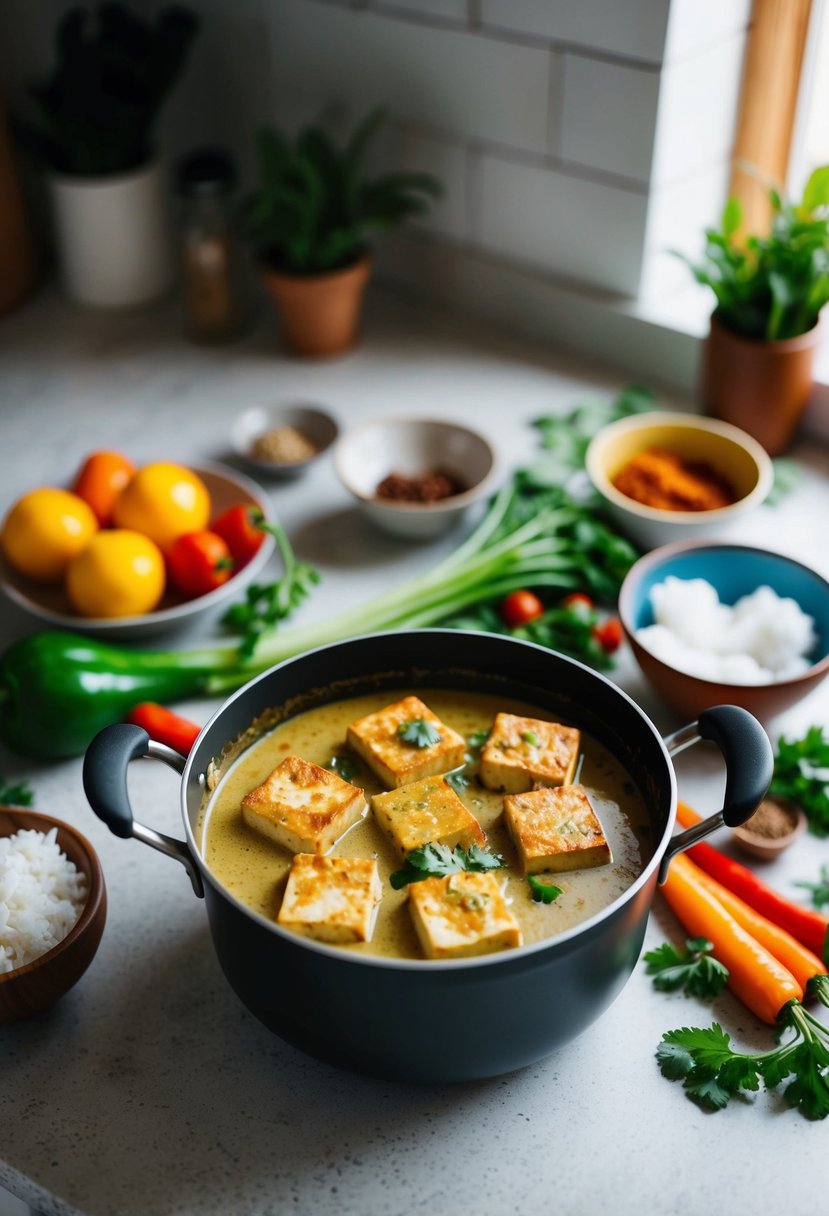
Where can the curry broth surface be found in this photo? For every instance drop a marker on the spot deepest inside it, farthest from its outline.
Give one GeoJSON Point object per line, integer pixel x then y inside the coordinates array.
{"type": "Point", "coordinates": [254, 868]}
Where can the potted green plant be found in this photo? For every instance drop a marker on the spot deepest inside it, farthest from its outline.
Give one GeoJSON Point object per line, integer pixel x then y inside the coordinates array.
{"type": "Point", "coordinates": [310, 222]}
{"type": "Point", "coordinates": [92, 127]}
{"type": "Point", "coordinates": [758, 359]}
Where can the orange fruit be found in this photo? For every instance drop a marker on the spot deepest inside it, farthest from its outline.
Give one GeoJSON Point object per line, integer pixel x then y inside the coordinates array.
{"type": "Point", "coordinates": [44, 530]}
{"type": "Point", "coordinates": [163, 501]}
{"type": "Point", "coordinates": [119, 573]}
{"type": "Point", "coordinates": [101, 478]}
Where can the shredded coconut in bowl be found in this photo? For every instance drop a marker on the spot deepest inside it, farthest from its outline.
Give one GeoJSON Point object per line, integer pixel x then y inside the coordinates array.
{"type": "Point", "coordinates": [41, 896]}
{"type": "Point", "coordinates": [762, 639]}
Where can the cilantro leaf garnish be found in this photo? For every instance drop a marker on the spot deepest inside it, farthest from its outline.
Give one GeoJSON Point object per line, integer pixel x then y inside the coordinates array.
{"type": "Point", "coordinates": [692, 969]}
{"type": "Point", "coordinates": [459, 779]}
{"type": "Point", "coordinates": [530, 737]}
{"type": "Point", "coordinates": [15, 795]}
{"type": "Point", "coordinates": [820, 889]}
{"type": "Point", "coordinates": [419, 733]}
{"type": "Point", "coordinates": [801, 773]}
{"type": "Point", "coordinates": [343, 766]}
{"type": "Point", "coordinates": [712, 1072]}
{"type": "Point", "coordinates": [542, 892]}
{"type": "Point", "coordinates": [438, 860]}
{"type": "Point", "coordinates": [476, 740]}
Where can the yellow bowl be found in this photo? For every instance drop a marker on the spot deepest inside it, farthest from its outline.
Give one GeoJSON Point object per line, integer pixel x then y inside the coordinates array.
{"type": "Point", "coordinates": [730, 452]}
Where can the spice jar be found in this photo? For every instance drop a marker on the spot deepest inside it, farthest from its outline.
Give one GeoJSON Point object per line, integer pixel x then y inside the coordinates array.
{"type": "Point", "coordinates": [213, 271]}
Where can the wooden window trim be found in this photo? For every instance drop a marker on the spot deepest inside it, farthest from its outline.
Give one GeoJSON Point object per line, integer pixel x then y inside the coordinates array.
{"type": "Point", "coordinates": [768, 103]}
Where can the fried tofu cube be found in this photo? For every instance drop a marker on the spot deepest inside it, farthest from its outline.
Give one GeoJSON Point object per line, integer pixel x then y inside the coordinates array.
{"type": "Point", "coordinates": [426, 812]}
{"type": "Point", "coordinates": [523, 752]}
{"type": "Point", "coordinates": [462, 915]}
{"type": "Point", "coordinates": [556, 829]}
{"type": "Point", "coordinates": [333, 899]}
{"type": "Point", "coordinates": [377, 740]}
{"type": "Point", "coordinates": [303, 807]}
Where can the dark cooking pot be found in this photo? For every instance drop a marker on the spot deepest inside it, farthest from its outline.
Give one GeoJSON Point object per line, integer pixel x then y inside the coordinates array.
{"type": "Point", "coordinates": [446, 1020]}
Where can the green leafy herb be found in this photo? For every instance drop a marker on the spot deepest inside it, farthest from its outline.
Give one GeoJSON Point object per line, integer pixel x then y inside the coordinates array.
{"type": "Point", "coordinates": [476, 740]}
{"type": "Point", "coordinates": [771, 287]}
{"type": "Point", "coordinates": [712, 1072]}
{"type": "Point", "coordinates": [266, 604]}
{"type": "Point", "coordinates": [15, 795]}
{"type": "Point", "coordinates": [692, 969]}
{"type": "Point", "coordinates": [343, 766]}
{"type": "Point", "coordinates": [438, 860]}
{"type": "Point", "coordinates": [530, 737]}
{"type": "Point", "coordinates": [419, 733]}
{"type": "Point", "coordinates": [542, 892]}
{"type": "Point", "coordinates": [819, 890]}
{"type": "Point", "coordinates": [801, 773]}
{"type": "Point", "coordinates": [565, 437]}
{"type": "Point", "coordinates": [787, 475]}
{"type": "Point", "coordinates": [459, 779]}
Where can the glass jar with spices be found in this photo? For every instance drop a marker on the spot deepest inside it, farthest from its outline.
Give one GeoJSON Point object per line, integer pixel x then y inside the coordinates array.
{"type": "Point", "coordinates": [213, 271]}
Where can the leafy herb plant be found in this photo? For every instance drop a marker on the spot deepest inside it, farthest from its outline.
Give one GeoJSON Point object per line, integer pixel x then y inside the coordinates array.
{"type": "Point", "coordinates": [801, 773]}
{"type": "Point", "coordinates": [712, 1072]}
{"type": "Point", "coordinates": [316, 205]}
{"type": "Point", "coordinates": [692, 969]}
{"type": "Point", "coordinates": [771, 287]}
{"type": "Point", "coordinates": [438, 860]}
{"type": "Point", "coordinates": [96, 111]}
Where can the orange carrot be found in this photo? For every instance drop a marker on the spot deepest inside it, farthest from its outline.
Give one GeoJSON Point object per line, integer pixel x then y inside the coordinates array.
{"type": "Point", "coordinates": [807, 925]}
{"type": "Point", "coordinates": [756, 977]}
{"type": "Point", "coordinates": [795, 957]}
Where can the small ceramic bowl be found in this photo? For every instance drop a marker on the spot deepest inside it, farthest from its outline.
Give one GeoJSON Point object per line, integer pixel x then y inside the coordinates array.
{"type": "Point", "coordinates": [319, 427]}
{"type": "Point", "coordinates": [765, 847]}
{"type": "Point", "coordinates": [49, 602]}
{"type": "Point", "coordinates": [411, 447]}
{"type": "Point", "coordinates": [734, 571]}
{"type": "Point", "coordinates": [41, 983]}
{"type": "Point", "coordinates": [730, 452]}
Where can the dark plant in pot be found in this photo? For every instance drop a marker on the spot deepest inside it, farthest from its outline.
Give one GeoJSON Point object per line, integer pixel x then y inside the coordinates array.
{"type": "Point", "coordinates": [310, 221]}
{"type": "Point", "coordinates": [92, 128]}
{"type": "Point", "coordinates": [757, 366]}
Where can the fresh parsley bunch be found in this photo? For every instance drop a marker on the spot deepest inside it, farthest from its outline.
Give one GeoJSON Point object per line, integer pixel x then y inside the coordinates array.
{"type": "Point", "coordinates": [801, 773]}
{"type": "Point", "coordinates": [692, 969]}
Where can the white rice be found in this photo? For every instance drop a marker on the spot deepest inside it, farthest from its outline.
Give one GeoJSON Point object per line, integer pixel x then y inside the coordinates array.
{"type": "Point", "coordinates": [41, 896]}
{"type": "Point", "coordinates": [762, 639]}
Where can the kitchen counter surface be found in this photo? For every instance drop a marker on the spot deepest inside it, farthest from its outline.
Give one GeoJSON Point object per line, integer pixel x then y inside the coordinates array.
{"type": "Point", "coordinates": [150, 1090]}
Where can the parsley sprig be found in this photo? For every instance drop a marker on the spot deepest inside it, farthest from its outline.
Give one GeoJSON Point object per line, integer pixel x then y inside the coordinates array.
{"type": "Point", "coordinates": [15, 795]}
{"type": "Point", "coordinates": [712, 1072]}
{"type": "Point", "coordinates": [819, 890]}
{"type": "Point", "coordinates": [801, 773]}
{"type": "Point", "coordinates": [419, 733]}
{"type": "Point", "coordinates": [438, 860]}
{"type": "Point", "coordinates": [692, 969]}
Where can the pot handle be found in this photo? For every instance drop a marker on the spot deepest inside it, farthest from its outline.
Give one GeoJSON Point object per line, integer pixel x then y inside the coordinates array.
{"type": "Point", "coordinates": [749, 766]}
{"type": "Point", "coordinates": [105, 785]}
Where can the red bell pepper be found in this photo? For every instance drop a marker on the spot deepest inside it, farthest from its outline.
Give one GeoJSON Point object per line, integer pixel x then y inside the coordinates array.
{"type": "Point", "coordinates": [163, 726]}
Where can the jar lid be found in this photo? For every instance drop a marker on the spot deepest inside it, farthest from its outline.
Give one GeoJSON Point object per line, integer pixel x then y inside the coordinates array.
{"type": "Point", "coordinates": [205, 173]}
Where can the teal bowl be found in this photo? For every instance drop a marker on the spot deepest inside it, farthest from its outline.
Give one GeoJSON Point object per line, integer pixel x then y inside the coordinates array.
{"type": "Point", "coordinates": [735, 571]}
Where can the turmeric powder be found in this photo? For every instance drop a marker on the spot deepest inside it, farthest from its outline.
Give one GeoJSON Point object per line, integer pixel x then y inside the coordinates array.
{"type": "Point", "coordinates": [670, 482]}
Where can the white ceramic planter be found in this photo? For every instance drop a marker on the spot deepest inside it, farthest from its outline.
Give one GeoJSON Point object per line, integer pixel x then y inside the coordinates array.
{"type": "Point", "coordinates": [114, 237]}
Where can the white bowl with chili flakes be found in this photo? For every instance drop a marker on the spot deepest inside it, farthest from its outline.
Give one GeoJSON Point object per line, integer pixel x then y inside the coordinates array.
{"type": "Point", "coordinates": [667, 477]}
{"type": "Point", "coordinates": [415, 477]}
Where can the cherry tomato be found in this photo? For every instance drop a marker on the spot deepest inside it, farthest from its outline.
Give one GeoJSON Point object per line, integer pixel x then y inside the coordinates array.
{"type": "Point", "coordinates": [577, 599]}
{"type": "Point", "coordinates": [199, 562]}
{"type": "Point", "coordinates": [519, 607]}
{"type": "Point", "coordinates": [237, 527]}
{"type": "Point", "coordinates": [100, 480]}
{"type": "Point", "coordinates": [119, 573]}
{"type": "Point", "coordinates": [164, 726]}
{"type": "Point", "coordinates": [163, 501]}
{"type": "Point", "coordinates": [609, 634]}
{"type": "Point", "coordinates": [44, 530]}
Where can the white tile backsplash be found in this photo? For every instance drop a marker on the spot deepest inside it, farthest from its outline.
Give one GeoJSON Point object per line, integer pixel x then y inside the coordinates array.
{"type": "Point", "coordinates": [457, 82]}
{"type": "Point", "coordinates": [633, 28]}
{"type": "Point", "coordinates": [609, 116]}
{"type": "Point", "coordinates": [554, 223]}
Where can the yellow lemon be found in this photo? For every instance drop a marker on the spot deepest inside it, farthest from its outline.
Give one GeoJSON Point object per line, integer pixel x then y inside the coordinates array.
{"type": "Point", "coordinates": [44, 530]}
{"type": "Point", "coordinates": [119, 573]}
{"type": "Point", "coordinates": [163, 501]}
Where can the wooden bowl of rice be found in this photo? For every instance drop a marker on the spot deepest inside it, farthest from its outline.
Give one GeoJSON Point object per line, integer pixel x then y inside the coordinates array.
{"type": "Point", "coordinates": [46, 889]}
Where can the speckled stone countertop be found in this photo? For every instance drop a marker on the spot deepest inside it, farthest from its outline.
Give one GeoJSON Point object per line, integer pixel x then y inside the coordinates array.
{"type": "Point", "coordinates": [150, 1090]}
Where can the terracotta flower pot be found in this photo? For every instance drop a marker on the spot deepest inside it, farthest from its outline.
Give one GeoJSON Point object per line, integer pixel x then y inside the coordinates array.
{"type": "Point", "coordinates": [319, 314]}
{"type": "Point", "coordinates": [761, 387]}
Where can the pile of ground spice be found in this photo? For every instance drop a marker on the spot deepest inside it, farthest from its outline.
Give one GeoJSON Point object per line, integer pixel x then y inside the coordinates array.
{"type": "Point", "coordinates": [283, 445]}
{"type": "Point", "coordinates": [670, 482]}
{"type": "Point", "coordinates": [431, 486]}
{"type": "Point", "coordinates": [771, 820]}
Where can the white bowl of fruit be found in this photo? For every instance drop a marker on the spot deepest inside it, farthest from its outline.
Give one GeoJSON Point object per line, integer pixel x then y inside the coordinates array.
{"type": "Point", "coordinates": [130, 552]}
